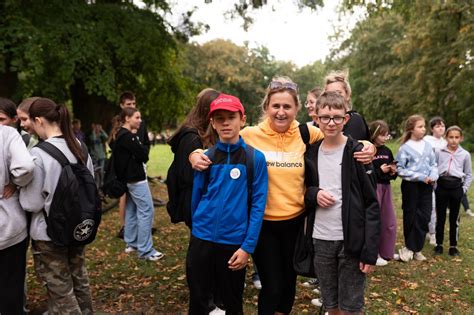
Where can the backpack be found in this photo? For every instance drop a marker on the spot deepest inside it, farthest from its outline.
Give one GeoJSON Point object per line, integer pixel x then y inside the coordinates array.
{"type": "Point", "coordinates": [75, 211]}
{"type": "Point", "coordinates": [176, 205]}
{"type": "Point", "coordinates": [112, 186]}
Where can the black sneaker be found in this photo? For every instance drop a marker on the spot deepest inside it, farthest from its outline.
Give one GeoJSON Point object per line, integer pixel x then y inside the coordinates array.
{"type": "Point", "coordinates": [438, 250]}
{"type": "Point", "coordinates": [453, 251]}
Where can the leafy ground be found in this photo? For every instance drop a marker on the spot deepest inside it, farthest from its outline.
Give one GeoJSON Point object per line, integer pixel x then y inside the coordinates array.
{"type": "Point", "coordinates": [123, 284]}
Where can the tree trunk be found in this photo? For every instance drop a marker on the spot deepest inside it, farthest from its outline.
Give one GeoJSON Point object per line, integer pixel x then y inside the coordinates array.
{"type": "Point", "coordinates": [91, 108]}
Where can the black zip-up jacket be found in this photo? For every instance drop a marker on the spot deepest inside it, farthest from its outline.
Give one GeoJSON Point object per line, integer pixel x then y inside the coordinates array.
{"type": "Point", "coordinates": [360, 209]}
{"type": "Point", "coordinates": [129, 155]}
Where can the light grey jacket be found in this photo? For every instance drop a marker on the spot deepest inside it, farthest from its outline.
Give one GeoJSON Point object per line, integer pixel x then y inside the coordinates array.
{"type": "Point", "coordinates": [457, 164]}
{"type": "Point", "coordinates": [39, 193]}
{"type": "Point", "coordinates": [17, 168]}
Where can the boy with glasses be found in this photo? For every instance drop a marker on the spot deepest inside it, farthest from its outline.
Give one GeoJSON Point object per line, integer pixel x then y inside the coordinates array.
{"type": "Point", "coordinates": [347, 218]}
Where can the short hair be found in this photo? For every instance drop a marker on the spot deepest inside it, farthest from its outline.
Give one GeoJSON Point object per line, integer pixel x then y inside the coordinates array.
{"type": "Point", "coordinates": [437, 120]}
{"type": "Point", "coordinates": [332, 100]}
{"type": "Point", "coordinates": [377, 128]}
{"type": "Point", "coordinates": [453, 128]}
{"type": "Point", "coordinates": [126, 95]}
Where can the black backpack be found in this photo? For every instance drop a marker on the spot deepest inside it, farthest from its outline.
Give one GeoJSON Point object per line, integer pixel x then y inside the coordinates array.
{"type": "Point", "coordinates": [75, 212]}
{"type": "Point", "coordinates": [112, 187]}
{"type": "Point", "coordinates": [176, 205]}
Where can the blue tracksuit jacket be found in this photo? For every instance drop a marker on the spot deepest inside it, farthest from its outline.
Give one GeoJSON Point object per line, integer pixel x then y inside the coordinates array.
{"type": "Point", "coordinates": [220, 212]}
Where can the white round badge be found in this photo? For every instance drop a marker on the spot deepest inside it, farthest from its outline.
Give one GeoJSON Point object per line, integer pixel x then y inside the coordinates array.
{"type": "Point", "coordinates": [234, 173]}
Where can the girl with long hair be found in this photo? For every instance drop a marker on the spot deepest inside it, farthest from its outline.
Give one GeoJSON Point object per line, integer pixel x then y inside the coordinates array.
{"type": "Point", "coordinates": [62, 269]}
{"type": "Point", "coordinates": [418, 169]}
{"type": "Point", "coordinates": [130, 157]}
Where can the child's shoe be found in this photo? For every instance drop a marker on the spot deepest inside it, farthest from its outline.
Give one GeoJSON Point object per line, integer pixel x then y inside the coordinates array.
{"type": "Point", "coordinates": [419, 256]}
{"type": "Point", "coordinates": [381, 262]}
{"type": "Point", "coordinates": [470, 213]}
{"type": "Point", "coordinates": [256, 281]}
{"type": "Point", "coordinates": [438, 250]}
{"type": "Point", "coordinates": [453, 251]}
{"type": "Point", "coordinates": [405, 254]}
{"type": "Point", "coordinates": [311, 283]}
{"type": "Point", "coordinates": [130, 249]}
{"type": "Point", "coordinates": [317, 302]}
{"type": "Point", "coordinates": [432, 239]}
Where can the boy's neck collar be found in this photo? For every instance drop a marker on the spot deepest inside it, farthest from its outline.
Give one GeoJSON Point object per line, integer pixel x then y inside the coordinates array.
{"type": "Point", "coordinates": [331, 143]}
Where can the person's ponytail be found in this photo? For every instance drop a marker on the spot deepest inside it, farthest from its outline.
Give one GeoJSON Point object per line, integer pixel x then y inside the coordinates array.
{"type": "Point", "coordinates": [68, 133]}
{"type": "Point", "coordinates": [49, 110]}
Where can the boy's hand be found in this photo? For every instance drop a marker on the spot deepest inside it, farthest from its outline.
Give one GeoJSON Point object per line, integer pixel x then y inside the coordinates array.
{"type": "Point", "coordinates": [365, 268]}
{"type": "Point", "coordinates": [199, 161]}
{"type": "Point", "coordinates": [325, 199]}
{"type": "Point", "coordinates": [367, 153]}
{"type": "Point", "coordinates": [8, 190]}
{"type": "Point", "coordinates": [238, 260]}
{"type": "Point", "coordinates": [429, 181]}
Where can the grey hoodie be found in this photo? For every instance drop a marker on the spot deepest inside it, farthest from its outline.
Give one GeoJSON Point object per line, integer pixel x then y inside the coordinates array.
{"type": "Point", "coordinates": [457, 164]}
{"type": "Point", "coordinates": [39, 193]}
{"type": "Point", "coordinates": [17, 168]}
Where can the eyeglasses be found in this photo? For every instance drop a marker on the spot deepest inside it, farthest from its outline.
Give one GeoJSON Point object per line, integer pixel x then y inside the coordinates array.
{"type": "Point", "coordinates": [284, 85]}
{"type": "Point", "coordinates": [336, 119]}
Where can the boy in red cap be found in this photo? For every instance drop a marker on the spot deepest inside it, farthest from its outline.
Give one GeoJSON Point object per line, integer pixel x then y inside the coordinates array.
{"type": "Point", "coordinates": [227, 209]}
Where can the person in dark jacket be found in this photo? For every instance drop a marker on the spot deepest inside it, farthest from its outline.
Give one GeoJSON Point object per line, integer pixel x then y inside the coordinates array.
{"type": "Point", "coordinates": [385, 169]}
{"type": "Point", "coordinates": [193, 134]}
{"type": "Point", "coordinates": [346, 223]}
{"type": "Point", "coordinates": [130, 158]}
{"type": "Point", "coordinates": [127, 100]}
{"type": "Point", "coordinates": [356, 126]}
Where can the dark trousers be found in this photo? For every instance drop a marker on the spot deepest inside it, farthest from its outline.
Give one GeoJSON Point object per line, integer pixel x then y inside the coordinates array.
{"type": "Point", "coordinates": [465, 202]}
{"type": "Point", "coordinates": [12, 278]}
{"type": "Point", "coordinates": [417, 206]}
{"type": "Point", "coordinates": [448, 198]}
{"type": "Point", "coordinates": [207, 269]}
{"type": "Point", "coordinates": [274, 259]}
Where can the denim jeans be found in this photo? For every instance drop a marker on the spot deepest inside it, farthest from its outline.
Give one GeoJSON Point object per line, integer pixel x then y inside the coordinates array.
{"type": "Point", "coordinates": [139, 212]}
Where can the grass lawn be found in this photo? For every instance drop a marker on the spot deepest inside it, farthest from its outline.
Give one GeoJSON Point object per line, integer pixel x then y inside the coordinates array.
{"type": "Point", "coordinates": [122, 283]}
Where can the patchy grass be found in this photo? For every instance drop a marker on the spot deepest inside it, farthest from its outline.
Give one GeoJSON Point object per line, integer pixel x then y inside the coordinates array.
{"type": "Point", "coordinates": [122, 283]}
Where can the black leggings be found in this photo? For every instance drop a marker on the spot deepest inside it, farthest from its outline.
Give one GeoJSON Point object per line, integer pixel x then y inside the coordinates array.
{"type": "Point", "coordinates": [274, 259]}
{"type": "Point", "coordinates": [448, 198]}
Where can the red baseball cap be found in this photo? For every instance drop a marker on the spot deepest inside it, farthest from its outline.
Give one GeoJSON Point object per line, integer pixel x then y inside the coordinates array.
{"type": "Point", "coordinates": [226, 102]}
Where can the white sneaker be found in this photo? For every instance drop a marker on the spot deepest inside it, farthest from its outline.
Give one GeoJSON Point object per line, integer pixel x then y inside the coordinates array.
{"type": "Point", "coordinates": [311, 283]}
{"type": "Point", "coordinates": [432, 239]}
{"type": "Point", "coordinates": [419, 256]}
{"type": "Point", "coordinates": [469, 213]}
{"type": "Point", "coordinates": [156, 256]}
{"type": "Point", "coordinates": [381, 262]}
{"type": "Point", "coordinates": [130, 249]}
{"type": "Point", "coordinates": [257, 284]}
{"type": "Point", "coordinates": [396, 256]}
{"type": "Point", "coordinates": [317, 302]}
{"type": "Point", "coordinates": [316, 290]}
{"type": "Point", "coordinates": [405, 254]}
{"type": "Point", "coordinates": [217, 311]}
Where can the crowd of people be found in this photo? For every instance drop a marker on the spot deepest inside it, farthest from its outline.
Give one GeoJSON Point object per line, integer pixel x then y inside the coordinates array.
{"type": "Point", "coordinates": [244, 192]}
